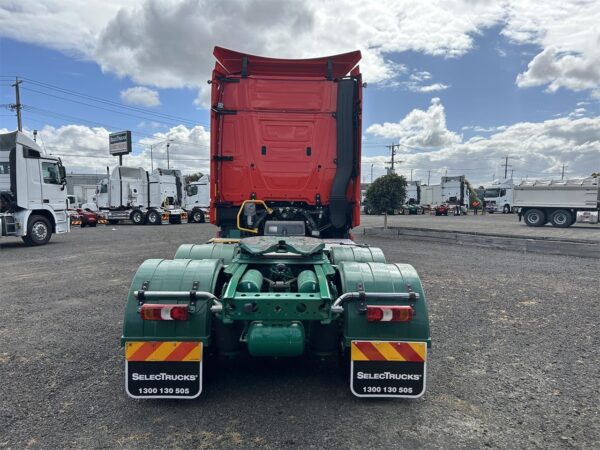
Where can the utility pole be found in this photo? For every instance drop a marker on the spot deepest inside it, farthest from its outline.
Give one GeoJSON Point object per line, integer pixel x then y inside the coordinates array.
{"type": "Point", "coordinates": [17, 106]}
{"type": "Point", "coordinates": [512, 171]}
{"type": "Point", "coordinates": [168, 161]}
{"type": "Point", "coordinates": [372, 173]}
{"type": "Point", "coordinates": [428, 176]}
{"type": "Point", "coordinates": [411, 175]}
{"type": "Point", "coordinates": [562, 176]}
{"type": "Point", "coordinates": [392, 148]}
{"type": "Point", "coordinates": [506, 167]}
{"type": "Point", "coordinates": [151, 159]}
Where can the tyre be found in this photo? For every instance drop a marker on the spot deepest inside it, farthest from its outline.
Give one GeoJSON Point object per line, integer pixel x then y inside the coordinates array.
{"type": "Point", "coordinates": [197, 216]}
{"type": "Point", "coordinates": [137, 217]}
{"type": "Point", "coordinates": [93, 225]}
{"type": "Point", "coordinates": [39, 231]}
{"type": "Point", "coordinates": [153, 218]}
{"type": "Point", "coordinates": [561, 218]}
{"type": "Point", "coordinates": [506, 209]}
{"type": "Point", "coordinates": [83, 224]}
{"type": "Point", "coordinates": [535, 218]}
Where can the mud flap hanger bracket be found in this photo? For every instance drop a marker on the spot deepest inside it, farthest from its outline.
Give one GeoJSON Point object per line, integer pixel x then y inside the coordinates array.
{"type": "Point", "coordinates": [362, 296]}
{"type": "Point", "coordinates": [144, 295]}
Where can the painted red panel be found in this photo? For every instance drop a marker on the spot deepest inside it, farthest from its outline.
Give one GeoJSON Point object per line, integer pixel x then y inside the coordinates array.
{"type": "Point", "coordinates": [275, 134]}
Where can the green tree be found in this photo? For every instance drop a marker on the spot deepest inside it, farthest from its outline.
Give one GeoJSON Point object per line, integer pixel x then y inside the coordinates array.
{"type": "Point", "coordinates": [386, 194]}
{"type": "Point", "coordinates": [193, 177]}
{"type": "Point", "coordinates": [596, 175]}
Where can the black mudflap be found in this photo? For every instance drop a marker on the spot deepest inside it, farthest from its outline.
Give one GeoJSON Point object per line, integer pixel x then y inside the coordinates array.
{"type": "Point", "coordinates": [388, 369]}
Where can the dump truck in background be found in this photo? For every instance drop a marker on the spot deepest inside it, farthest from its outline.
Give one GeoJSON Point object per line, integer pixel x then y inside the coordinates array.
{"type": "Point", "coordinates": [559, 202]}
{"type": "Point", "coordinates": [33, 199]}
{"type": "Point", "coordinates": [283, 280]}
{"type": "Point", "coordinates": [132, 193]}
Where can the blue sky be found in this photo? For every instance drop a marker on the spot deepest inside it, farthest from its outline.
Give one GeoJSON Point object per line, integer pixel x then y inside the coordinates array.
{"type": "Point", "coordinates": [457, 98]}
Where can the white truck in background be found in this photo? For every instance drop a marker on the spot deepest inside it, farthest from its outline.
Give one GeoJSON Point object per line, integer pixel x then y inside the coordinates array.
{"type": "Point", "coordinates": [413, 193]}
{"type": "Point", "coordinates": [559, 202]}
{"type": "Point", "coordinates": [499, 196]}
{"type": "Point", "coordinates": [197, 199]}
{"type": "Point", "coordinates": [33, 199]}
{"type": "Point", "coordinates": [455, 192]}
{"type": "Point", "coordinates": [131, 193]}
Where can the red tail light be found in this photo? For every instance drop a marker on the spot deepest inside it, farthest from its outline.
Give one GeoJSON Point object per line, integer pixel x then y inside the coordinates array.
{"type": "Point", "coordinates": [150, 311]}
{"type": "Point", "coordinates": [389, 313]}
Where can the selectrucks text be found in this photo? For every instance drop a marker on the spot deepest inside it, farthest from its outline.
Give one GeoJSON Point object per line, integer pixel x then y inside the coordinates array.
{"type": "Point", "coordinates": [388, 376]}
{"type": "Point", "coordinates": [163, 377]}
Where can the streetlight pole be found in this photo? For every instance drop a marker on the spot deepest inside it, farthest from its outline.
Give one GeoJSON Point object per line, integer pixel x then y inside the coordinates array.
{"type": "Point", "coordinates": [168, 161]}
{"type": "Point", "coordinates": [151, 159]}
{"type": "Point", "coordinates": [372, 173]}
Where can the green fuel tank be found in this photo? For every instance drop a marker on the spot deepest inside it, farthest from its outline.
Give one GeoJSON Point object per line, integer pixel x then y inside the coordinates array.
{"type": "Point", "coordinates": [275, 339]}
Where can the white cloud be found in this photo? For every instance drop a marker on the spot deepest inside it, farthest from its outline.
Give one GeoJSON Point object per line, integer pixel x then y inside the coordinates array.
{"type": "Point", "coordinates": [169, 44]}
{"type": "Point", "coordinates": [431, 87]}
{"type": "Point", "coordinates": [569, 38]}
{"type": "Point", "coordinates": [419, 128]}
{"type": "Point", "coordinates": [140, 95]}
{"type": "Point", "coordinates": [85, 149]}
{"type": "Point", "coordinates": [536, 150]}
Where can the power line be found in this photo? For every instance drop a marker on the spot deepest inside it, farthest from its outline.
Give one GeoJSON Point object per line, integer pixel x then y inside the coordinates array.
{"type": "Point", "coordinates": [102, 108]}
{"type": "Point", "coordinates": [45, 112]}
{"type": "Point", "coordinates": [109, 102]}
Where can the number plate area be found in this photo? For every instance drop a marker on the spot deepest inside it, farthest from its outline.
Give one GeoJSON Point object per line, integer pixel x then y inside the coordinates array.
{"type": "Point", "coordinates": [388, 369]}
{"type": "Point", "coordinates": [163, 369]}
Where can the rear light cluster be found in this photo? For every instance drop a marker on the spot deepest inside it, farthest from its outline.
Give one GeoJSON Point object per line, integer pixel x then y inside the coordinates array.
{"type": "Point", "coordinates": [149, 311]}
{"type": "Point", "coordinates": [390, 313]}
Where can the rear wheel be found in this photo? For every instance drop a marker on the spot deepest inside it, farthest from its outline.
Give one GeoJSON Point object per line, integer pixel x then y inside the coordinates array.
{"type": "Point", "coordinates": [153, 218]}
{"type": "Point", "coordinates": [561, 218]}
{"type": "Point", "coordinates": [197, 216]}
{"type": "Point", "coordinates": [535, 218]}
{"type": "Point", "coordinates": [506, 209]}
{"type": "Point", "coordinates": [39, 231]}
{"type": "Point", "coordinates": [93, 224]}
{"type": "Point", "coordinates": [137, 217]}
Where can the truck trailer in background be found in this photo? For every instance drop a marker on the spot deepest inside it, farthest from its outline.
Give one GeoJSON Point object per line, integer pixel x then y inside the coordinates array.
{"type": "Point", "coordinates": [33, 198]}
{"type": "Point", "coordinates": [559, 202]}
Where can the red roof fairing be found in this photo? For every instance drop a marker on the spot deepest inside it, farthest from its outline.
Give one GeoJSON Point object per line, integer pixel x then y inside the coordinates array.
{"type": "Point", "coordinates": [341, 65]}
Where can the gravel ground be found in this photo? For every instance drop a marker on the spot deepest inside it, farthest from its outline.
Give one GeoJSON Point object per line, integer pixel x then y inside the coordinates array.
{"type": "Point", "coordinates": [513, 363]}
{"type": "Point", "coordinates": [499, 224]}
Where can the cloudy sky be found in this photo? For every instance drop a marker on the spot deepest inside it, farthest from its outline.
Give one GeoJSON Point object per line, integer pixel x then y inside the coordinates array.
{"type": "Point", "coordinates": [459, 85]}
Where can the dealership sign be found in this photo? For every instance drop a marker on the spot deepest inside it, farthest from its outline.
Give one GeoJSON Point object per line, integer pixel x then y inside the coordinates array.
{"type": "Point", "coordinates": [120, 143]}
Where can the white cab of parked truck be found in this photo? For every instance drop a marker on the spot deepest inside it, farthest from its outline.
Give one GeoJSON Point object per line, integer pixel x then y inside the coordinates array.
{"type": "Point", "coordinates": [559, 202]}
{"type": "Point", "coordinates": [197, 199]}
{"type": "Point", "coordinates": [499, 196]}
{"type": "Point", "coordinates": [33, 198]}
{"type": "Point", "coordinates": [131, 193]}
{"type": "Point", "coordinates": [455, 192]}
{"type": "Point", "coordinates": [413, 193]}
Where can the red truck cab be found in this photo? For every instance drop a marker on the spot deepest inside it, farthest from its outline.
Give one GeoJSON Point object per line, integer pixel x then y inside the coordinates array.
{"type": "Point", "coordinates": [285, 143]}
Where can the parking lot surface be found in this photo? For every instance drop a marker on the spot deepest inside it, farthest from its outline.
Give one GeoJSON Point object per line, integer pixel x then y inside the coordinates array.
{"type": "Point", "coordinates": [513, 362]}
{"type": "Point", "coordinates": [496, 224]}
